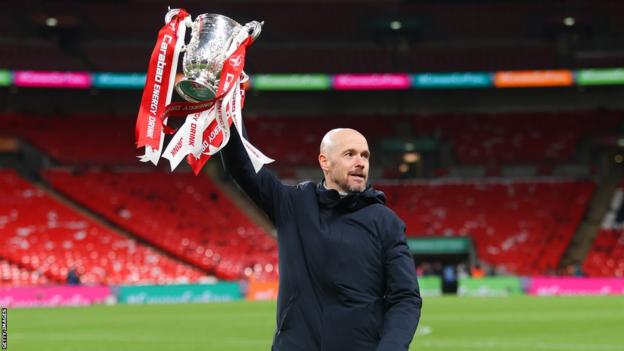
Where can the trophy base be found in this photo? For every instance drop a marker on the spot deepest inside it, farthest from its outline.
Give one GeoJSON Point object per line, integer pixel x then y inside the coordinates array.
{"type": "Point", "coordinates": [193, 91]}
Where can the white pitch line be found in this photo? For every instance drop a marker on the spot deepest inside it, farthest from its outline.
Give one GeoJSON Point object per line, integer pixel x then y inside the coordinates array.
{"type": "Point", "coordinates": [423, 330]}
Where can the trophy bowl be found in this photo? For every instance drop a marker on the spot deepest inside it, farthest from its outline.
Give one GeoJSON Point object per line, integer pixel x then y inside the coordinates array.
{"type": "Point", "coordinates": [211, 37]}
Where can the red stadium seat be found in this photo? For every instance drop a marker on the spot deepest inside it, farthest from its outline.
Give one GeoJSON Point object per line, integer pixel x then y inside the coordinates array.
{"type": "Point", "coordinates": [14, 275]}
{"type": "Point", "coordinates": [523, 226]}
{"type": "Point", "coordinates": [606, 256]}
{"type": "Point", "coordinates": [182, 214]}
{"type": "Point", "coordinates": [46, 236]}
{"type": "Point", "coordinates": [486, 140]}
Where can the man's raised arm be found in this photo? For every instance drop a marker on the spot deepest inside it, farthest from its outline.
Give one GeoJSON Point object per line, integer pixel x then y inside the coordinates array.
{"type": "Point", "coordinates": [262, 187]}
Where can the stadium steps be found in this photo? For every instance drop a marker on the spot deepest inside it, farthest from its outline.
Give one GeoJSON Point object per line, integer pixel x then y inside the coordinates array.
{"type": "Point", "coordinates": [582, 240]}
{"type": "Point", "coordinates": [101, 220]}
{"type": "Point", "coordinates": [244, 203]}
{"type": "Point", "coordinates": [29, 160]}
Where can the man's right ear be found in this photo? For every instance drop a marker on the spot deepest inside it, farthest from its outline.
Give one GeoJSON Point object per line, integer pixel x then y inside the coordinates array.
{"type": "Point", "coordinates": [323, 162]}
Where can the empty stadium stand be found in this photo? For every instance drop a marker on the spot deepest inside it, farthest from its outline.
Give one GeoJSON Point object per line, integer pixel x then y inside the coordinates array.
{"type": "Point", "coordinates": [517, 138]}
{"type": "Point", "coordinates": [514, 224]}
{"type": "Point", "coordinates": [183, 214]}
{"type": "Point", "coordinates": [13, 275]}
{"type": "Point", "coordinates": [527, 181]}
{"type": "Point", "coordinates": [476, 139]}
{"type": "Point", "coordinates": [495, 139]}
{"type": "Point", "coordinates": [522, 226]}
{"type": "Point", "coordinates": [46, 236]}
{"type": "Point", "coordinates": [606, 258]}
{"type": "Point", "coordinates": [83, 139]}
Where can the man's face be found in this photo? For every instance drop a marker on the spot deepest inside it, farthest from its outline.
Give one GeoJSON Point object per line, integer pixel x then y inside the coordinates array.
{"type": "Point", "coordinates": [346, 166]}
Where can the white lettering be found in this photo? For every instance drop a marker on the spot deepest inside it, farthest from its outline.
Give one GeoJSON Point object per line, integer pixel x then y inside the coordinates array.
{"type": "Point", "coordinates": [160, 64]}
{"type": "Point", "coordinates": [155, 99]}
{"type": "Point", "coordinates": [214, 134]}
{"type": "Point", "coordinates": [151, 124]}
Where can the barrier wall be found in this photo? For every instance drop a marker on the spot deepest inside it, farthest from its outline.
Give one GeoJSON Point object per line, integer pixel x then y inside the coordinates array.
{"type": "Point", "coordinates": [182, 293]}
{"type": "Point", "coordinates": [490, 286]}
{"type": "Point", "coordinates": [565, 286]}
{"type": "Point", "coordinates": [262, 290]}
{"type": "Point", "coordinates": [430, 286]}
{"type": "Point", "coordinates": [53, 296]}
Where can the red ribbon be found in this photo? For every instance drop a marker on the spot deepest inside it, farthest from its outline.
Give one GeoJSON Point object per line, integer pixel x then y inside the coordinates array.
{"type": "Point", "coordinates": [232, 70]}
{"type": "Point", "coordinates": [149, 124]}
{"type": "Point", "coordinates": [153, 112]}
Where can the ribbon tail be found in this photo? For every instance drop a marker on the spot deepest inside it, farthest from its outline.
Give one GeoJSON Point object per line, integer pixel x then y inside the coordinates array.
{"type": "Point", "coordinates": [177, 149]}
{"type": "Point", "coordinates": [258, 159]}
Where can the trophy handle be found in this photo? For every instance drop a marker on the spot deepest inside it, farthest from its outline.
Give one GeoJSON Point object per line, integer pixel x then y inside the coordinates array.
{"type": "Point", "coordinates": [254, 28]}
{"type": "Point", "coordinates": [187, 22]}
{"type": "Point", "coordinates": [170, 13]}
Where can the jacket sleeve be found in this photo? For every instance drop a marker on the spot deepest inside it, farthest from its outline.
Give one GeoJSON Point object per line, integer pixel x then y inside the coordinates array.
{"type": "Point", "coordinates": [263, 187]}
{"type": "Point", "coordinates": [402, 291]}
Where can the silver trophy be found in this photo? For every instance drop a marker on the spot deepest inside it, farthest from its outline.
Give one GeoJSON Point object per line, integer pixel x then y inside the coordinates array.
{"type": "Point", "coordinates": [211, 39]}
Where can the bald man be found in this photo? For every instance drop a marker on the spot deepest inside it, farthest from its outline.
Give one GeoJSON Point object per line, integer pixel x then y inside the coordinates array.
{"type": "Point", "coordinates": [347, 279]}
{"type": "Point", "coordinates": [344, 160]}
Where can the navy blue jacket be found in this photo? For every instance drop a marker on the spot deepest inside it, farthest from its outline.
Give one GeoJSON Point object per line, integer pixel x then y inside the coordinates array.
{"type": "Point", "coordinates": [347, 279]}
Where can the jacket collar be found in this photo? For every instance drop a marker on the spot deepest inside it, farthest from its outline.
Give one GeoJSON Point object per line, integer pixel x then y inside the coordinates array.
{"type": "Point", "coordinates": [330, 198]}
